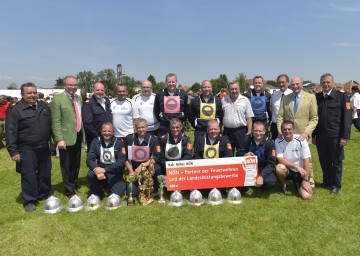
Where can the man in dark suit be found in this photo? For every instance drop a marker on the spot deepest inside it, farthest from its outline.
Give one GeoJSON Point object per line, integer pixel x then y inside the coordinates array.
{"type": "Point", "coordinates": [332, 132]}
{"type": "Point", "coordinates": [66, 127]}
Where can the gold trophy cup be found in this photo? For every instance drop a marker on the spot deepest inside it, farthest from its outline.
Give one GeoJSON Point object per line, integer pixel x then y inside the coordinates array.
{"type": "Point", "coordinates": [130, 179]}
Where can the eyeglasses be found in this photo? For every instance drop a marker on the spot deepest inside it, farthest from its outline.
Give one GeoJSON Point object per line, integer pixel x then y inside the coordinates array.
{"type": "Point", "coordinates": [71, 85]}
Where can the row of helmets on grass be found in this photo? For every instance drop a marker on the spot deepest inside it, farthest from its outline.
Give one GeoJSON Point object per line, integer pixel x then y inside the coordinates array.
{"type": "Point", "coordinates": [75, 204]}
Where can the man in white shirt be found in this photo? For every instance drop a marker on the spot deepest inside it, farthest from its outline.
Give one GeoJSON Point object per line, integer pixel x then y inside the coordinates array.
{"type": "Point", "coordinates": [143, 106]}
{"type": "Point", "coordinates": [237, 119]}
{"type": "Point", "coordinates": [122, 111]}
{"type": "Point", "coordinates": [355, 104]}
{"type": "Point", "coordinates": [283, 83]}
{"type": "Point", "coordinates": [293, 155]}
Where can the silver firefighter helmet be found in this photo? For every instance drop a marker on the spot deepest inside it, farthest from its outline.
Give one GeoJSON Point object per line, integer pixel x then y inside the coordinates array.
{"type": "Point", "coordinates": [113, 202]}
{"type": "Point", "coordinates": [93, 202]}
{"type": "Point", "coordinates": [215, 197]}
{"type": "Point", "coordinates": [176, 199]}
{"type": "Point", "coordinates": [52, 205]}
{"type": "Point", "coordinates": [75, 204]}
{"type": "Point", "coordinates": [234, 196]}
{"type": "Point", "coordinates": [196, 198]}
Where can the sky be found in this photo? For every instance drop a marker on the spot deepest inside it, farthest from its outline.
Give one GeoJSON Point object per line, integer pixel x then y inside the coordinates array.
{"type": "Point", "coordinates": [43, 40]}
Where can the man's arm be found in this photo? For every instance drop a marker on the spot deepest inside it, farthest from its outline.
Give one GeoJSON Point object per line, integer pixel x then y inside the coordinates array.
{"type": "Point", "coordinates": [88, 120]}
{"type": "Point", "coordinates": [11, 134]}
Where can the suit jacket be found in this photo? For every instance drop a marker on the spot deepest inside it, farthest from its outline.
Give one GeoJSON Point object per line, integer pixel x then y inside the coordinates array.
{"type": "Point", "coordinates": [63, 118]}
{"type": "Point", "coordinates": [306, 117]}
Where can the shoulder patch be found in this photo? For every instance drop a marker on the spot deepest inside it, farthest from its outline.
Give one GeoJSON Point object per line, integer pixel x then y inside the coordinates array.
{"type": "Point", "coordinates": [13, 105]}
{"type": "Point", "coordinates": [123, 150]}
{"type": "Point", "coordinates": [228, 145]}
{"type": "Point", "coordinates": [273, 152]}
{"type": "Point", "coordinates": [164, 136]}
{"type": "Point", "coordinates": [87, 101]}
{"type": "Point", "coordinates": [158, 149]}
{"type": "Point", "coordinates": [188, 101]}
{"type": "Point", "coordinates": [189, 146]}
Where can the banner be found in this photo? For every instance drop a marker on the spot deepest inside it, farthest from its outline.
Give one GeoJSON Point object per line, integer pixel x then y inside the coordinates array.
{"type": "Point", "coordinates": [211, 173]}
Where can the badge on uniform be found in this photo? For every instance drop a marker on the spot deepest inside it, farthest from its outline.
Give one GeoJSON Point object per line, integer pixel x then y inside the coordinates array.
{"type": "Point", "coordinates": [171, 104]}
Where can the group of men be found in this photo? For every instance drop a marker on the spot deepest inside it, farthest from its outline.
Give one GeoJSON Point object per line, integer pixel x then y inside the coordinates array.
{"type": "Point", "coordinates": [148, 129]}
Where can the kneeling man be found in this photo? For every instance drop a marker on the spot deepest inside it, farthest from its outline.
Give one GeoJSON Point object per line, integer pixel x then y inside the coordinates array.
{"type": "Point", "coordinates": [293, 156]}
{"type": "Point", "coordinates": [106, 158]}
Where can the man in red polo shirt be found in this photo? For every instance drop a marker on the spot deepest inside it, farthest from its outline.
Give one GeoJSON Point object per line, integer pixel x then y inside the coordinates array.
{"type": "Point", "coordinates": [4, 105]}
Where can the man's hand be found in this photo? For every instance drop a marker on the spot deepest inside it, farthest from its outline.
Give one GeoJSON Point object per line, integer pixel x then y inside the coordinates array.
{"type": "Point", "coordinates": [302, 172]}
{"type": "Point", "coordinates": [304, 136]}
{"type": "Point", "coordinates": [280, 136]}
{"type": "Point", "coordinates": [343, 142]}
{"type": "Point", "coordinates": [100, 173]}
{"type": "Point", "coordinates": [259, 181]}
{"type": "Point", "coordinates": [249, 154]}
{"type": "Point", "coordinates": [16, 158]}
{"type": "Point", "coordinates": [61, 144]}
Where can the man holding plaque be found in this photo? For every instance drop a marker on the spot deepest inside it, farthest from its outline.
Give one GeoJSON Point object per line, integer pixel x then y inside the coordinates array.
{"type": "Point", "coordinates": [105, 159]}
{"type": "Point", "coordinates": [212, 144]}
{"type": "Point", "coordinates": [175, 145]}
{"type": "Point", "coordinates": [264, 148]}
{"type": "Point", "coordinates": [170, 102]}
{"type": "Point", "coordinates": [204, 108]}
{"type": "Point", "coordinates": [142, 149]}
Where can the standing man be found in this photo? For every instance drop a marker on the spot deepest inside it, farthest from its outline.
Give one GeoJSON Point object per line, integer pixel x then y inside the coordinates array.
{"type": "Point", "coordinates": [95, 112]}
{"type": "Point", "coordinates": [4, 105]}
{"type": "Point", "coordinates": [66, 127]}
{"type": "Point", "coordinates": [170, 103]}
{"type": "Point", "coordinates": [143, 107]}
{"type": "Point", "coordinates": [300, 107]}
{"type": "Point", "coordinates": [293, 156]}
{"type": "Point", "coordinates": [203, 108]}
{"type": "Point", "coordinates": [237, 118]}
{"type": "Point", "coordinates": [283, 83]}
{"type": "Point", "coordinates": [355, 103]}
{"type": "Point", "coordinates": [260, 102]}
{"type": "Point", "coordinates": [28, 132]}
{"type": "Point", "coordinates": [122, 112]}
{"type": "Point", "coordinates": [332, 132]}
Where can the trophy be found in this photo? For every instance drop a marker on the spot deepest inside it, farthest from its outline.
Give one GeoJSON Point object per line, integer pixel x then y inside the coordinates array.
{"type": "Point", "coordinates": [161, 179]}
{"type": "Point", "coordinates": [146, 183]}
{"type": "Point", "coordinates": [130, 179]}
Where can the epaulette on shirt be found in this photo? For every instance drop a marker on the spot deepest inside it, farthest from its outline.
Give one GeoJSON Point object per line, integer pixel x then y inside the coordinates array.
{"type": "Point", "coordinates": [87, 101]}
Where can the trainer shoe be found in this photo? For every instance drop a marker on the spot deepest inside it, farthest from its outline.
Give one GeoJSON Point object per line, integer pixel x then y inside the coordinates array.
{"type": "Point", "coordinates": [30, 207]}
{"type": "Point", "coordinates": [282, 190]}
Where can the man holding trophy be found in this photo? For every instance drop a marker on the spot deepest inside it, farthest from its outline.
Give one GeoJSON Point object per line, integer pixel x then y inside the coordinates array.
{"type": "Point", "coordinates": [106, 158]}
{"type": "Point", "coordinates": [143, 158]}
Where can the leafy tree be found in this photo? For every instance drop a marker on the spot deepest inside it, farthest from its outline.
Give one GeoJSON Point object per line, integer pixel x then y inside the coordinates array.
{"type": "Point", "coordinates": [355, 82]}
{"type": "Point", "coordinates": [108, 78]}
{"type": "Point", "coordinates": [151, 78]}
{"type": "Point", "coordinates": [195, 87]}
{"type": "Point", "coordinates": [306, 81]}
{"type": "Point", "coordinates": [158, 87]}
{"type": "Point", "coordinates": [12, 86]}
{"type": "Point", "coordinates": [244, 85]}
{"type": "Point", "coordinates": [272, 82]}
{"type": "Point", "coordinates": [131, 83]}
{"type": "Point", "coordinates": [86, 79]}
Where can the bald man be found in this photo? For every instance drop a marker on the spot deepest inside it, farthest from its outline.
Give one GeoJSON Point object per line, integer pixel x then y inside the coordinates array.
{"type": "Point", "coordinates": [95, 112]}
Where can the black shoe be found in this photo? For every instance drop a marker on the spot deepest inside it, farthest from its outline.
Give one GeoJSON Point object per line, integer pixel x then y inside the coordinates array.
{"type": "Point", "coordinates": [282, 190]}
{"type": "Point", "coordinates": [334, 191]}
{"type": "Point", "coordinates": [324, 185]}
{"type": "Point", "coordinates": [30, 207]}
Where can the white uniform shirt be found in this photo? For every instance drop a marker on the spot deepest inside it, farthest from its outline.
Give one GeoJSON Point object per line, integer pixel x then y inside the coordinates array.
{"type": "Point", "coordinates": [355, 102]}
{"type": "Point", "coordinates": [236, 113]}
{"type": "Point", "coordinates": [122, 112]}
{"type": "Point", "coordinates": [143, 106]}
{"type": "Point", "coordinates": [294, 151]}
{"type": "Point", "coordinates": [275, 102]}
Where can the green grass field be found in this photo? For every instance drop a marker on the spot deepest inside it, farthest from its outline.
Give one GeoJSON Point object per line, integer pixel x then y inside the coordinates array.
{"type": "Point", "coordinates": [273, 225]}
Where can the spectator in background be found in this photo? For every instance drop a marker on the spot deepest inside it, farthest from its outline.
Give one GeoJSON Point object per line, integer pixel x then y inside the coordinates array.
{"type": "Point", "coordinates": [222, 93]}
{"type": "Point", "coordinates": [4, 105]}
{"type": "Point", "coordinates": [355, 103]}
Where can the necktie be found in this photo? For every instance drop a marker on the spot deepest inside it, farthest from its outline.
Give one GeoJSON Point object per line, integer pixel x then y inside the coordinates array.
{"type": "Point", "coordinates": [296, 103]}
{"type": "Point", "coordinates": [78, 122]}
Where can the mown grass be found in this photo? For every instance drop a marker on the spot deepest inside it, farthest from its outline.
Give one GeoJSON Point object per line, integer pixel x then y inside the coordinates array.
{"type": "Point", "coordinates": [262, 225]}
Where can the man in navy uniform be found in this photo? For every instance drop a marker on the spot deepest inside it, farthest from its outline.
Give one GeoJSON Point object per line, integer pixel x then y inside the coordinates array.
{"type": "Point", "coordinates": [28, 132]}
{"type": "Point", "coordinates": [170, 103]}
{"type": "Point", "coordinates": [332, 132]}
